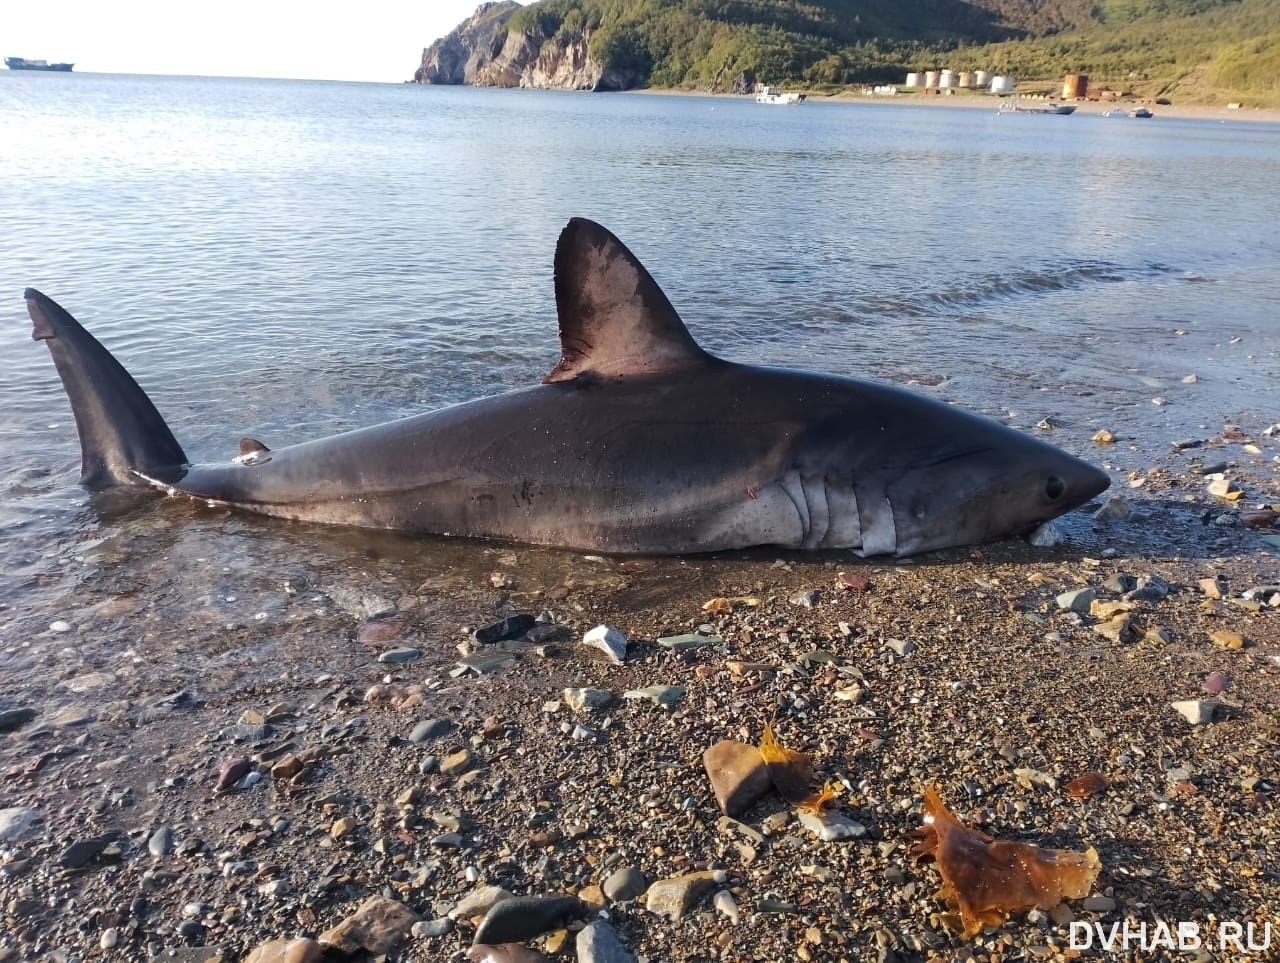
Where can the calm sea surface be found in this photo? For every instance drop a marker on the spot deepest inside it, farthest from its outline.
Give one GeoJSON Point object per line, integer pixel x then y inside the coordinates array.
{"type": "Point", "coordinates": [288, 259]}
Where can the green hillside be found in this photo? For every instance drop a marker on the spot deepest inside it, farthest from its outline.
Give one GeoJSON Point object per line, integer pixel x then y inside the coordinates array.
{"type": "Point", "coordinates": [1197, 50]}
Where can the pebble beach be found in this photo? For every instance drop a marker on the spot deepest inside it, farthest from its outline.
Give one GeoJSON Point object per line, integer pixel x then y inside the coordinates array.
{"type": "Point", "coordinates": [444, 743]}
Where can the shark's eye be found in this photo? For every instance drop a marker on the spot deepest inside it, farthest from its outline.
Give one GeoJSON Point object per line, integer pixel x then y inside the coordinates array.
{"type": "Point", "coordinates": [1054, 488]}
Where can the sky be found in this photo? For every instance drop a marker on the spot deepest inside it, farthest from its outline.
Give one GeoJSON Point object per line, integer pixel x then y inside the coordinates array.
{"type": "Point", "coordinates": [375, 40]}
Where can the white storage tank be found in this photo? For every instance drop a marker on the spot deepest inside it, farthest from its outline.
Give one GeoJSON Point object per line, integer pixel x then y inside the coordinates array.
{"type": "Point", "coordinates": [982, 78]}
{"type": "Point", "coordinates": [1001, 84]}
{"type": "Point", "coordinates": [947, 78]}
{"type": "Point", "coordinates": [931, 78]}
{"type": "Point", "coordinates": [913, 79]}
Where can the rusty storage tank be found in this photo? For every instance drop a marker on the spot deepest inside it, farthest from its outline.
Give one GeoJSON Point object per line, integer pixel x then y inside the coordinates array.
{"type": "Point", "coordinates": [982, 79]}
{"type": "Point", "coordinates": [1075, 87]}
{"type": "Point", "coordinates": [931, 78]}
{"type": "Point", "coordinates": [966, 79]}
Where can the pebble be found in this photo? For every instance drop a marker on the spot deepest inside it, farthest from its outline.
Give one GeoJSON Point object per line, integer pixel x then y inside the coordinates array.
{"type": "Point", "coordinates": [727, 906]}
{"type": "Point", "coordinates": [509, 628]}
{"type": "Point", "coordinates": [1150, 588]}
{"type": "Point", "coordinates": [378, 926]}
{"type": "Point", "coordinates": [82, 851]}
{"type": "Point", "coordinates": [678, 643]}
{"type": "Point", "coordinates": [11, 719]}
{"type": "Point", "coordinates": [901, 647]}
{"type": "Point", "coordinates": [1196, 711]}
{"type": "Point", "coordinates": [609, 641]}
{"type": "Point", "coordinates": [1077, 600]}
{"type": "Point", "coordinates": [430, 729]}
{"type": "Point", "coordinates": [479, 902]}
{"type": "Point", "coordinates": [1046, 535]}
{"type": "Point", "coordinates": [433, 928]}
{"type": "Point", "coordinates": [1120, 583]}
{"type": "Point", "coordinates": [110, 938]}
{"type": "Point", "coordinates": [666, 696]}
{"type": "Point", "coordinates": [806, 599]}
{"type": "Point", "coordinates": [457, 763]}
{"type": "Point", "coordinates": [1115, 508]}
{"type": "Point", "coordinates": [587, 698]}
{"type": "Point", "coordinates": [60, 627]}
{"type": "Point", "coordinates": [831, 827]}
{"type": "Point", "coordinates": [161, 842]}
{"type": "Point", "coordinates": [287, 950]}
{"type": "Point", "coordinates": [343, 827]}
{"type": "Point", "coordinates": [1217, 683]}
{"type": "Point", "coordinates": [598, 942]}
{"type": "Point", "coordinates": [1098, 904]}
{"type": "Point", "coordinates": [676, 897]}
{"type": "Point", "coordinates": [398, 656]}
{"type": "Point", "coordinates": [738, 775]}
{"type": "Point", "coordinates": [233, 770]}
{"type": "Point", "coordinates": [624, 884]}
{"type": "Point", "coordinates": [522, 918]}
{"type": "Point", "coordinates": [1227, 639]}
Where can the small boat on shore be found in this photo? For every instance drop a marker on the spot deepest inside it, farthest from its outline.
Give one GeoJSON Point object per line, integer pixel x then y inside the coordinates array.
{"type": "Point", "coordinates": [1141, 112]}
{"type": "Point", "coordinates": [1014, 106]}
{"type": "Point", "coordinates": [22, 63]}
{"type": "Point", "coordinates": [774, 95]}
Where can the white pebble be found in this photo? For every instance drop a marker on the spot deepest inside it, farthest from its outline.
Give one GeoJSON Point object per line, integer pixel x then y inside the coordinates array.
{"type": "Point", "coordinates": [60, 626]}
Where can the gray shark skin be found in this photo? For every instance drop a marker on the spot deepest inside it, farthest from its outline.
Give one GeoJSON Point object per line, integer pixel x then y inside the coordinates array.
{"type": "Point", "coordinates": [638, 441]}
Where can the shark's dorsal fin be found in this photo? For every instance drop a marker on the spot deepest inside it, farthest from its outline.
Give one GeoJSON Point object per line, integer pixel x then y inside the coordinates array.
{"type": "Point", "coordinates": [615, 322]}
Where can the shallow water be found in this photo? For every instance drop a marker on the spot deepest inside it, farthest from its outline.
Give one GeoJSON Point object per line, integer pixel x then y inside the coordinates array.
{"type": "Point", "coordinates": [286, 260]}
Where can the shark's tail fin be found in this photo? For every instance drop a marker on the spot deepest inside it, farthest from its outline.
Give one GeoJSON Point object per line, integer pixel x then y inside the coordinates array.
{"type": "Point", "coordinates": [122, 436]}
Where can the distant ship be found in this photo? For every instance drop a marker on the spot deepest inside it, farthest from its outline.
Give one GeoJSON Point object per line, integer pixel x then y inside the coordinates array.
{"type": "Point", "coordinates": [21, 63]}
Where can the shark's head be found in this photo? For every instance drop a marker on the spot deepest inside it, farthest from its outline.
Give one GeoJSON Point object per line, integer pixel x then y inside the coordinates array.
{"type": "Point", "coordinates": [984, 485]}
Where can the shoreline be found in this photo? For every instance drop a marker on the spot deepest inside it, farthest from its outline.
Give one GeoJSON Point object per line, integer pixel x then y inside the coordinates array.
{"type": "Point", "coordinates": [977, 101]}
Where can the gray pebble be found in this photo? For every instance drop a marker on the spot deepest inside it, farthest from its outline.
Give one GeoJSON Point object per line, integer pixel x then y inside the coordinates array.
{"type": "Point", "coordinates": [430, 729]}
{"type": "Point", "coordinates": [624, 884]}
{"type": "Point", "coordinates": [598, 942]}
{"type": "Point", "coordinates": [432, 928]}
{"type": "Point", "coordinates": [161, 842]}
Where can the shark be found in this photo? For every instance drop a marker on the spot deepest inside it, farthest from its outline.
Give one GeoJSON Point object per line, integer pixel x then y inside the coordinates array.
{"type": "Point", "coordinates": [638, 441]}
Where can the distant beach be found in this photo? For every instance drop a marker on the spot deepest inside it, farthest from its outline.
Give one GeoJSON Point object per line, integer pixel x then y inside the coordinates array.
{"type": "Point", "coordinates": [977, 101]}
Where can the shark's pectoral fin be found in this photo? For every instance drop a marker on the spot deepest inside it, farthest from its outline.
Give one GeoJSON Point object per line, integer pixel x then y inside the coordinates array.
{"type": "Point", "coordinates": [615, 321]}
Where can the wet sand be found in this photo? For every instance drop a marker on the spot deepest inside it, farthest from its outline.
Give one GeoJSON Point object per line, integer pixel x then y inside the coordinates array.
{"type": "Point", "coordinates": [958, 670]}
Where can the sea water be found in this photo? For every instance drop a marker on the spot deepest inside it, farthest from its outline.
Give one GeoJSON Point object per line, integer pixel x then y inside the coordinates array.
{"type": "Point", "coordinates": [285, 260]}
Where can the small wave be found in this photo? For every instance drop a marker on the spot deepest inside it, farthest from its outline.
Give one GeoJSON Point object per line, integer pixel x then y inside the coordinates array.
{"type": "Point", "coordinates": [1034, 280]}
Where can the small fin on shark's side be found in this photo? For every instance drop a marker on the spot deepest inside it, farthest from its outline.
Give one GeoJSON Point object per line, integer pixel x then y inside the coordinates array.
{"type": "Point", "coordinates": [122, 435]}
{"type": "Point", "coordinates": [252, 452]}
{"type": "Point", "coordinates": [615, 321]}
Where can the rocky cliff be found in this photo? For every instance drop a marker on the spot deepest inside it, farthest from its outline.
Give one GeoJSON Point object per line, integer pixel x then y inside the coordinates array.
{"type": "Point", "coordinates": [482, 52]}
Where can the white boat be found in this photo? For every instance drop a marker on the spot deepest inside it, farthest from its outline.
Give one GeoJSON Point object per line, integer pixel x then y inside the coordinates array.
{"type": "Point", "coordinates": [774, 95]}
{"type": "Point", "coordinates": [1141, 112]}
{"type": "Point", "coordinates": [1014, 106]}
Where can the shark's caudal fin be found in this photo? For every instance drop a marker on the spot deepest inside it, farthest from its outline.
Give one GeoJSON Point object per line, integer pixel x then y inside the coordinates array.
{"type": "Point", "coordinates": [122, 435]}
{"type": "Point", "coordinates": [615, 321]}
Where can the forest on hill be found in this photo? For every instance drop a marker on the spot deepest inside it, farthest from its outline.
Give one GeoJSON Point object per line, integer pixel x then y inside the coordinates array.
{"type": "Point", "coordinates": [1196, 50]}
